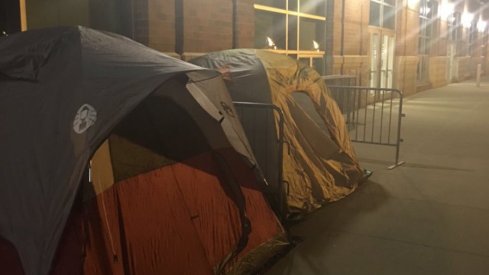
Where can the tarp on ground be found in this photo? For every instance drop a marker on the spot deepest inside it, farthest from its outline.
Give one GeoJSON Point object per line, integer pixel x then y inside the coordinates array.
{"type": "Point", "coordinates": [319, 161]}
{"type": "Point", "coordinates": [172, 185]}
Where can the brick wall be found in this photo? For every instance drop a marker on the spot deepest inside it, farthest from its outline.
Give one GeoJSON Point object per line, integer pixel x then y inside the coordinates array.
{"type": "Point", "coordinates": [245, 24]}
{"type": "Point", "coordinates": [464, 68]}
{"type": "Point", "coordinates": [161, 25]}
{"type": "Point", "coordinates": [407, 51]}
{"type": "Point", "coordinates": [207, 27]}
{"type": "Point", "coordinates": [154, 24]}
{"type": "Point", "coordinates": [354, 44]}
{"type": "Point", "coordinates": [438, 71]}
{"type": "Point", "coordinates": [405, 76]}
{"type": "Point", "coordinates": [440, 39]}
{"type": "Point", "coordinates": [141, 19]}
{"type": "Point", "coordinates": [473, 62]}
{"type": "Point", "coordinates": [193, 27]}
{"type": "Point", "coordinates": [355, 28]}
{"type": "Point", "coordinates": [112, 15]}
{"type": "Point", "coordinates": [406, 34]}
{"type": "Point", "coordinates": [353, 65]}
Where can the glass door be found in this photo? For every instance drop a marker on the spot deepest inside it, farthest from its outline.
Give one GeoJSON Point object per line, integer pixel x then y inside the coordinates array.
{"type": "Point", "coordinates": [381, 59]}
{"type": "Point", "coordinates": [374, 59]}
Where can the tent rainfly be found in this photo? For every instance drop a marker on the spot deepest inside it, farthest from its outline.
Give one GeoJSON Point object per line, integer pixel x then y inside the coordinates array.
{"type": "Point", "coordinates": [172, 187]}
{"type": "Point", "coordinates": [319, 163]}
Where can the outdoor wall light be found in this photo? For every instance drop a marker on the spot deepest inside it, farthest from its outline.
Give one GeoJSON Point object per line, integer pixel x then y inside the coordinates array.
{"type": "Point", "coordinates": [413, 4]}
{"type": "Point", "coordinates": [446, 11]}
{"type": "Point", "coordinates": [481, 25]}
{"type": "Point", "coordinates": [425, 10]}
{"type": "Point", "coordinates": [467, 19]}
{"type": "Point", "coordinates": [270, 43]}
{"type": "Point", "coordinates": [315, 45]}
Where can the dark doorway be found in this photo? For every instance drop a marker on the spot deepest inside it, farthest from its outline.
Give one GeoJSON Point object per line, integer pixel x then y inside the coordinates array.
{"type": "Point", "coordinates": [9, 17]}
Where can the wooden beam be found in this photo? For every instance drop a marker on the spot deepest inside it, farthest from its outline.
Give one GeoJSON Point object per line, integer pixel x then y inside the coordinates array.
{"type": "Point", "coordinates": [23, 15]}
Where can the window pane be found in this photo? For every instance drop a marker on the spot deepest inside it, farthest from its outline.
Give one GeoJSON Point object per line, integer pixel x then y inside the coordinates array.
{"type": "Point", "coordinates": [389, 17]}
{"type": "Point", "coordinates": [374, 18]}
{"type": "Point", "coordinates": [272, 3]}
{"type": "Point", "coordinates": [318, 64]}
{"type": "Point", "coordinates": [292, 32]}
{"type": "Point", "coordinates": [316, 7]}
{"type": "Point", "coordinates": [433, 9]}
{"type": "Point", "coordinates": [292, 5]}
{"type": "Point", "coordinates": [422, 46]}
{"type": "Point", "coordinates": [390, 2]}
{"type": "Point", "coordinates": [308, 33]}
{"type": "Point", "coordinates": [422, 27]}
{"type": "Point", "coordinates": [268, 24]}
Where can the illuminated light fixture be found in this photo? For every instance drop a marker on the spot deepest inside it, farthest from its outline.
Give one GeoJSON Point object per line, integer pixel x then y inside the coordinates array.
{"type": "Point", "coordinates": [271, 44]}
{"type": "Point", "coordinates": [467, 19]}
{"type": "Point", "coordinates": [425, 11]}
{"type": "Point", "coordinates": [481, 25]}
{"type": "Point", "coordinates": [412, 4]}
{"type": "Point", "coordinates": [446, 11]}
{"type": "Point", "coordinates": [315, 45]}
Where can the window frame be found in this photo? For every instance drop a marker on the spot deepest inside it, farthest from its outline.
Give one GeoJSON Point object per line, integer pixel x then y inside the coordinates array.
{"type": "Point", "coordinates": [382, 21]}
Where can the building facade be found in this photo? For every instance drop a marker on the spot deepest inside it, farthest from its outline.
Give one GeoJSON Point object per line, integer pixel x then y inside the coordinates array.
{"type": "Point", "coordinates": [411, 45]}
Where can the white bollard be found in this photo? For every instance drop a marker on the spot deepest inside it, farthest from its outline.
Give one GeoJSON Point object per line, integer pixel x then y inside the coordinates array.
{"type": "Point", "coordinates": [478, 75]}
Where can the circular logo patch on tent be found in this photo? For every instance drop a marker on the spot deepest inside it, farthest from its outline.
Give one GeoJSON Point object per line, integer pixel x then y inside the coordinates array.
{"type": "Point", "coordinates": [84, 119]}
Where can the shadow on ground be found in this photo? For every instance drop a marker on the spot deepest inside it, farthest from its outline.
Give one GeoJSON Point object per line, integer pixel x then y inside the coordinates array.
{"type": "Point", "coordinates": [315, 231]}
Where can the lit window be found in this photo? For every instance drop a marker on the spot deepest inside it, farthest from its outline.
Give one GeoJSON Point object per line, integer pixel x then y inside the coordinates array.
{"type": "Point", "coordinates": [292, 27]}
{"type": "Point", "coordinates": [427, 14]}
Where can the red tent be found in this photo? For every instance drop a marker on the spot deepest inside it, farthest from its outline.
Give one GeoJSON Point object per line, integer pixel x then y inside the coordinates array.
{"type": "Point", "coordinates": [172, 187]}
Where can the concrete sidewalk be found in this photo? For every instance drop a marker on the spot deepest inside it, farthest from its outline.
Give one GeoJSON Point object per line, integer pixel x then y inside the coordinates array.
{"type": "Point", "coordinates": [429, 216]}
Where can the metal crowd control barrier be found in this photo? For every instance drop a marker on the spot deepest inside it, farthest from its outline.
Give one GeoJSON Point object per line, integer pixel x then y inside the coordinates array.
{"type": "Point", "coordinates": [373, 115]}
{"type": "Point", "coordinates": [266, 140]}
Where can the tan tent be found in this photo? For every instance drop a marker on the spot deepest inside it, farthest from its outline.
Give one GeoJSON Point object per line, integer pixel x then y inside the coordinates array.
{"type": "Point", "coordinates": [319, 162]}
